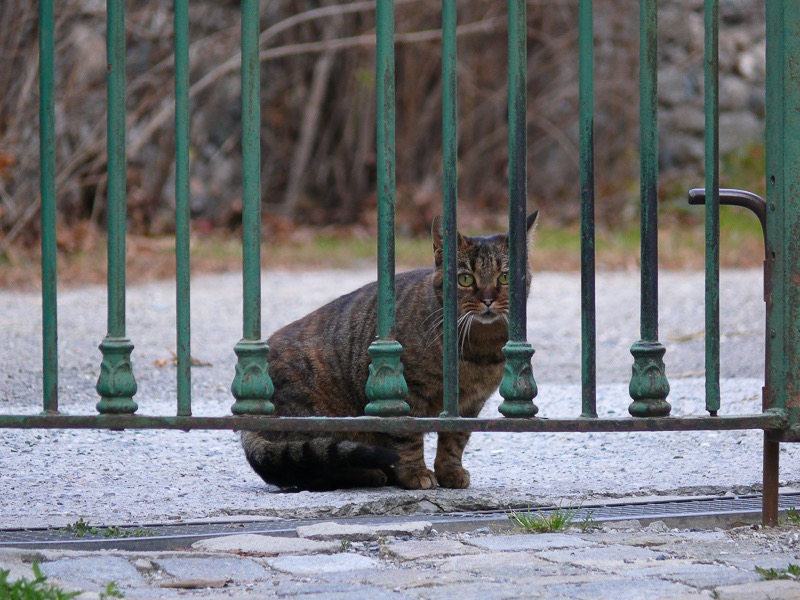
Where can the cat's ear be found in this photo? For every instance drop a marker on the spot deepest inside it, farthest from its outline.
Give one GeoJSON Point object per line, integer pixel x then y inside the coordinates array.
{"type": "Point", "coordinates": [436, 233]}
{"type": "Point", "coordinates": [533, 223]}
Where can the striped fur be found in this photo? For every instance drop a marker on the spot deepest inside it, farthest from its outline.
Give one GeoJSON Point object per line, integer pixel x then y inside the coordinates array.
{"type": "Point", "coordinates": [319, 365]}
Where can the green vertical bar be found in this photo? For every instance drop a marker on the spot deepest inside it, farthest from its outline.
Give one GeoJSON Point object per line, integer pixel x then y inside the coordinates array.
{"type": "Point", "coordinates": [782, 267]}
{"type": "Point", "coordinates": [783, 208]}
{"type": "Point", "coordinates": [252, 387]}
{"type": "Point", "coordinates": [775, 117]}
{"type": "Point", "coordinates": [450, 194]}
{"type": "Point", "coordinates": [517, 171]}
{"type": "Point", "coordinates": [386, 168]}
{"type": "Point", "coordinates": [116, 384]}
{"type": "Point", "coordinates": [711, 75]}
{"type": "Point", "coordinates": [47, 158]}
{"type": "Point", "coordinates": [386, 387]}
{"type": "Point", "coordinates": [251, 174]}
{"type": "Point", "coordinates": [586, 109]}
{"type": "Point", "coordinates": [649, 387]}
{"type": "Point", "coordinates": [182, 215]}
{"type": "Point", "coordinates": [115, 41]}
{"type": "Point", "coordinates": [648, 114]}
{"type": "Point", "coordinates": [517, 387]}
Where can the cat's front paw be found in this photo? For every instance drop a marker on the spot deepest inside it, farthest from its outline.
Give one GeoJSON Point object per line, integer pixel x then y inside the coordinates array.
{"type": "Point", "coordinates": [417, 479]}
{"type": "Point", "coordinates": [453, 477]}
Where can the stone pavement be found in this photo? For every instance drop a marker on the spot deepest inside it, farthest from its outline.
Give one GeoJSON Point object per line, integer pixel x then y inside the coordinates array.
{"type": "Point", "coordinates": [412, 560]}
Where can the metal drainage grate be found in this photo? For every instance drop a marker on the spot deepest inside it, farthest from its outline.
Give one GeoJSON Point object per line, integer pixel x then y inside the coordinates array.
{"type": "Point", "coordinates": [684, 508]}
{"type": "Point", "coordinates": [691, 512]}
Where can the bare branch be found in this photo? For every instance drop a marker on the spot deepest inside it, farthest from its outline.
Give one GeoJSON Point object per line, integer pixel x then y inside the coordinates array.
{"type": "Point", "coordinates": [233, 64]}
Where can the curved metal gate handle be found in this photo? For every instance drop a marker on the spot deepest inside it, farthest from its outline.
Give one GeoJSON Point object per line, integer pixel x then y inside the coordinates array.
{"type": "Point", "coordinates": [732, 197]}
{"type": "Point", "coordinates": [754, 202]}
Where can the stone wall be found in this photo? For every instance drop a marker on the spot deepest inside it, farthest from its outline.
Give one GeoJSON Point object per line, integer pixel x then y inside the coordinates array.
{"type": "Point", "coordinates": [742, 36]}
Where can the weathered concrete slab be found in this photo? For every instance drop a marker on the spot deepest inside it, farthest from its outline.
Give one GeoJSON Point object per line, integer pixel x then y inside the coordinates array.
{"type": "Point", "coordinates": [622, 589]}
{"type": "Point", "coordinates": [226, 568]}
{"type": "Point", "coordinates": [502, 565]}
{"type": "Point", "coordinates": [93, 573]}
{"type": "Point", "coordinates": [697, 575]}
{"type": "Point", "coordinates": [532, 541]}
{"type": "Point", "coordinates": [316, 565]}
{"type": "Point", "coordinates": [265, 545]}
{"type": "Point", "coordinates": [760, 590]}
{"type": "Point", "coordinates": [611, 557]}
{"type": "Point", "coordinates": [414, 549]}
{"type": "Point", "coordinates": [339, 531]}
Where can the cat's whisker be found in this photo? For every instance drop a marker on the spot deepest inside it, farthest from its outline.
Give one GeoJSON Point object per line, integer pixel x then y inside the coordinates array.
{"type": "Point", "coordinates": [434, 325]}
{"type": "Point", "coordinates": [431, 343]}
{"type": "Point", "coordinates": [434, 329]}
{"type": "Point", "coordinates": [460, 330]}
{"type": "Point", "coordinates": [467, 319]}
{"type": "Point", "coordinates": [436, 313]}
{"type": "Point", "coordinates": [469, 329]}
{"type": "Point", "coordinates": [460, 324]}
{"type": "Point", "coordinates": [438, 318]}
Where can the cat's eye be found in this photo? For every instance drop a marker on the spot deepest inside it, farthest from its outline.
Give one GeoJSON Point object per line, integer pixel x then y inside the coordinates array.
{"type": "Point", "coordinates": [465, 280]}
{"type": "Point", "coordinates": [503, 279]}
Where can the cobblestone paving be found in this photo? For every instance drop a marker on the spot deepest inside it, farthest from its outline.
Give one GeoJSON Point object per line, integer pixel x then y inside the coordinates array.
{"type": "Point", "coordinates": [416, 561]}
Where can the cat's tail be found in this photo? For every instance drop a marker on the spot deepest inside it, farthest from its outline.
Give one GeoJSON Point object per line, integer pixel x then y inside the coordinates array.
{"type": "Point", "coordinates": [318, 463]}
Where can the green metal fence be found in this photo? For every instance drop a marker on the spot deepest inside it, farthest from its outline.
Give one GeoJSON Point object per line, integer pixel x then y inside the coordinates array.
{"type": "Point", "coordinates": [252, 387]}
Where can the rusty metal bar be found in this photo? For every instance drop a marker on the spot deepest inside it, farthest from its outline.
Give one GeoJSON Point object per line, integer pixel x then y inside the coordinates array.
{"type": "Point", "coordinates": [769, 507]}
{"type": "Point", "coordinates": [790, 434]}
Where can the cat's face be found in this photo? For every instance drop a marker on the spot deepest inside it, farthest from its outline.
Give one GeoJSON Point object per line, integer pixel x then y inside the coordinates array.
{"type": "Point", "coordinates": [482, 271]}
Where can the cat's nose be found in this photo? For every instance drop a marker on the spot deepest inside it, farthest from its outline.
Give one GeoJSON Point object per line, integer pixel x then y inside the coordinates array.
{"type": "Point", "coordinates": [487, 301]}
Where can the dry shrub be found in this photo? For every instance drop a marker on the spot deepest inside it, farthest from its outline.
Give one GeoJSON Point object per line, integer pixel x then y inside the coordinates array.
{"type": "Point", "coordinates": [318, 158]}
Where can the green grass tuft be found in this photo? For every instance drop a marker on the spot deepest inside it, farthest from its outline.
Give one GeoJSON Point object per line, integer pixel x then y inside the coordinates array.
{"type": "Point", "coordinates": [117, 532]}
{"type": "Point", "coordinates": [558, 520]}
{"type": "Point", "coordinates": [36, 589]}
{"type": "Point", "coordinates": [793, 516]}
{"type": "Point", "coordinates": [790, 572]}
{"type": "Point", "coordinates": [80, 528]}
{"type": "Point", "coordinates": [111, 591]}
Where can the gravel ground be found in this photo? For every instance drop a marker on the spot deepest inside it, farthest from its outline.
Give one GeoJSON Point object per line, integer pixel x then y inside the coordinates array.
{"type": "Point", "coordinates": [54, 477]}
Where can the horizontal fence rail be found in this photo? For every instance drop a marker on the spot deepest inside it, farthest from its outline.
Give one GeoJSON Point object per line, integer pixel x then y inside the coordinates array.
{"type": "Point", "coordinates": [770, 420]}
{"type": "Point", "coordinates": [252, 387]}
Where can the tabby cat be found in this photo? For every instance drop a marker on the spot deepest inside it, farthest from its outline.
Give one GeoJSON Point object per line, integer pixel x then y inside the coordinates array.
{"type": "Point", "coordinates": [319, 365]}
